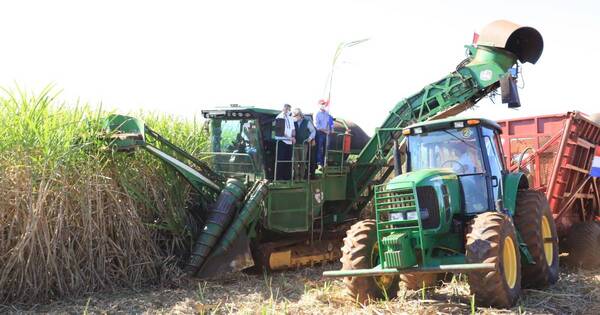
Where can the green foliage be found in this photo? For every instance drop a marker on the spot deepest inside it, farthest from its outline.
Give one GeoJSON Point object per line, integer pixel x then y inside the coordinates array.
{"type": "Point", "coordinates": [76, 217]}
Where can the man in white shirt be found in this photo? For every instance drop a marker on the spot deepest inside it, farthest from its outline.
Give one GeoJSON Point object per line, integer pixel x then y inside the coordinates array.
{"type": "Point", "coordinates": [285, 141]}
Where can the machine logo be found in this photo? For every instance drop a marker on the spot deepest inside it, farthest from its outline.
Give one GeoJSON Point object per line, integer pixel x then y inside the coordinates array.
{"type": "Point", "coordinates": [466, 133]}
{"type": "Point", "coordinates": [485, 75]}
{"type": "Point", "coordinates": [318, 196]}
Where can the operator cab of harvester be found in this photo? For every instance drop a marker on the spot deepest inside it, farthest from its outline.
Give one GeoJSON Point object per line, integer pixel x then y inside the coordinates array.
{"type": "Point", "coordinates": [456, 209]}
{"type": "Point", "coordinates": [239, 138]}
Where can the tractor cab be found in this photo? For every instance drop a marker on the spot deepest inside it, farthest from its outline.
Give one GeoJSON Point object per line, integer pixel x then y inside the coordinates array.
{"type": "Point", "coordinates": [470, 148]}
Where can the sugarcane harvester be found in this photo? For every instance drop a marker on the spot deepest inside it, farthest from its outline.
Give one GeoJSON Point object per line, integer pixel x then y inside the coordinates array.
{"type": "Point", "coordinates": [455, 208]}
{"type": "Point", "coordinates": [252, 217]}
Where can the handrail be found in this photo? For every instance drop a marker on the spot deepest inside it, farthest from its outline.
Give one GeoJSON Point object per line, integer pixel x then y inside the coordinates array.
{"type": "Point", "coordinates": [304, 161]}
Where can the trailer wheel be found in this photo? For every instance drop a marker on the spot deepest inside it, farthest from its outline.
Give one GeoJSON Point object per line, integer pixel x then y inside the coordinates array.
{"type": "Point", "coordinates": [416, 281]}
{"type": "Point", "coordinates": [583, 245]}
{"type": "Point", "coordinates": [360, 251]}
{"type": "Point", "coordinates": [534, 222]}
{"type": "Point", "coordinates": [492, 239]}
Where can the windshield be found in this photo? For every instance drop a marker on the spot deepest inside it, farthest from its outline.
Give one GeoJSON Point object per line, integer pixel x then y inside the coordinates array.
{"type": "Point", "coordinates": [454, 148]}
{"type": "Point", "coordinates": [233, 135]}
{"type": "Point", "coordinates": [235, 145]}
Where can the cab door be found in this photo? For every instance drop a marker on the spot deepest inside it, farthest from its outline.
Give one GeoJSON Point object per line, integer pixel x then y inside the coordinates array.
{"type": "Point", "coordinates": [492, 154]}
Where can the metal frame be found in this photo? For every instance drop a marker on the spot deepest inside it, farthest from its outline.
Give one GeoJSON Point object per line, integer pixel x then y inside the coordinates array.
{"type": "Point", "coordinates": [572, 193]}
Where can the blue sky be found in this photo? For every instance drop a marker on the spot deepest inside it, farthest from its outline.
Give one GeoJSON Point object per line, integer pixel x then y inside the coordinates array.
{"type": "Point", "coordinates": [181, 56]}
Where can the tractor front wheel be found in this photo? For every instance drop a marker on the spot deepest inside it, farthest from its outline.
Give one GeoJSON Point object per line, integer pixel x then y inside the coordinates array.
{"type": "Point", "coordinates": [583, 245]}
{"type": "Point", "coordinates": [534, 222]}
{"type": "Point", "coordinates": [418, 281]}
{"type": "Point", "coordinates": [360, 251]}
{"type": "Point", "coordinates": [492, 239]}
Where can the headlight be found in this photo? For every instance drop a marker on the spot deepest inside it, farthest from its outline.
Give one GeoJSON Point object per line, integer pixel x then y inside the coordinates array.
{"type": "Point", "coordinates": [409, 215]}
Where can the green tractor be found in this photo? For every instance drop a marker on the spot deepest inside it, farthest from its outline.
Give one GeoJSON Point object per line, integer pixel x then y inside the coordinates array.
{"type": "Point", "coordinates": [456, 209]}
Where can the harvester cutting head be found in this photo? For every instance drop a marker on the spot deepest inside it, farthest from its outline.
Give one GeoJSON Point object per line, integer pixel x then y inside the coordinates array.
{"type": "Point", "coordinates": [523, 41]}
{"type": "Point", "coordinates": [125, 133]}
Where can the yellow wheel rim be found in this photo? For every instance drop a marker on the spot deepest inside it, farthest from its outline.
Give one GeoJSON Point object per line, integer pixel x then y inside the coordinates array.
{"type": "Point", "coordinates": [509, 262]}
{"type": "Point", "coordinates": [383, 282]}
{"type": "Point", "coordinates": [548, 241]}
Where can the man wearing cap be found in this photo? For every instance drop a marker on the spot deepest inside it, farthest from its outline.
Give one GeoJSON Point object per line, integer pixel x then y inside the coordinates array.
{"type": "Point", "coordinates": [285, 140]}
{"type": "Point", "coordinates": [323, 125]}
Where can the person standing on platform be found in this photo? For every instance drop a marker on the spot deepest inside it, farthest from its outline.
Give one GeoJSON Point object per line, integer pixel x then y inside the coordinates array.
{"type": "Point", "coordinates": [286, 137]}
{"type": "Point", "coordinates": [305, 142]}
{"type": "Point", "coordinates": [323, 125]}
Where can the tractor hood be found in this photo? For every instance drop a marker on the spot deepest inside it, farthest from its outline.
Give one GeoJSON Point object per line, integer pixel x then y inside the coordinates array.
{"type": "Point", "coordinates": [523, 41]}
{"type": "Point", "coordinates": [430, 177]}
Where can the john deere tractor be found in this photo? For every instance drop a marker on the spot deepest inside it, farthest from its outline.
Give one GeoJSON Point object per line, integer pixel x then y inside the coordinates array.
{"type": "Point", "coordinates": [456, 209]}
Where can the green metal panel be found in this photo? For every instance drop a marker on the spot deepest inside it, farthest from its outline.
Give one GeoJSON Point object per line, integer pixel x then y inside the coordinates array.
{"type": "Point", "coordinates": [396, 242]}
{"type": "Point", "coordinates": [334, 187]}
{"type": "Point", "coordinates": [288, 208]}
{"type": "Point", "coordinates": [401, 239]}
{"type": "Point", "coordinates": [126, 132]}
{"type": "Point", "coordinates": [512, 182]}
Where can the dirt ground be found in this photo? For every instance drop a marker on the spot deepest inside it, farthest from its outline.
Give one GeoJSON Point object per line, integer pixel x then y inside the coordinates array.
{"type": "Point", "coordinates": [306, 292]}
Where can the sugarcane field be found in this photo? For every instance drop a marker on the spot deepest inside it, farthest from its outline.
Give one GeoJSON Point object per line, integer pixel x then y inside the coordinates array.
{"type": "Point", "coordinates": [283, 157]}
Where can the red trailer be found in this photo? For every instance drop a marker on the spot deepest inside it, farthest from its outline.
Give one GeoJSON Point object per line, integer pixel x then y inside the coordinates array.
{"type": "Point", "coordinates": [556, 153]}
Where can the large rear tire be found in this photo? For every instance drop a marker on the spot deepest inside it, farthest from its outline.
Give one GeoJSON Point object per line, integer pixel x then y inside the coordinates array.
{"type": "Point", "coordinates": [583, 245]}
{"type": "Point", "coordinates": [492, 239]}
{"type": "Point", "coordinates": [535, 223]}
{"type": "Point", "coordinates": [360, 251]}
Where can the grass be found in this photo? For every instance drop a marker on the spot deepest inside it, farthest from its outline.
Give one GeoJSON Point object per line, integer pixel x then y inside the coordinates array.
{"type": "Point", "coordinates": [304, 291]}
{"type": "Point", "coordinates": [73, 218]}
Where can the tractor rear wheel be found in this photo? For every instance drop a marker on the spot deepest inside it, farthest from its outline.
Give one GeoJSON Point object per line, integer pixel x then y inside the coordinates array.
{"type": "Point", "coordinates": [535, 223]}
{"type": "Point", "coordinates": [360, 251]}
{"type": "Point", "coordinates": [583, 245]}
{"type": "Point", "coordinates": [418, 281]}
{"type": "Point", "coordinates": [492, 239]}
